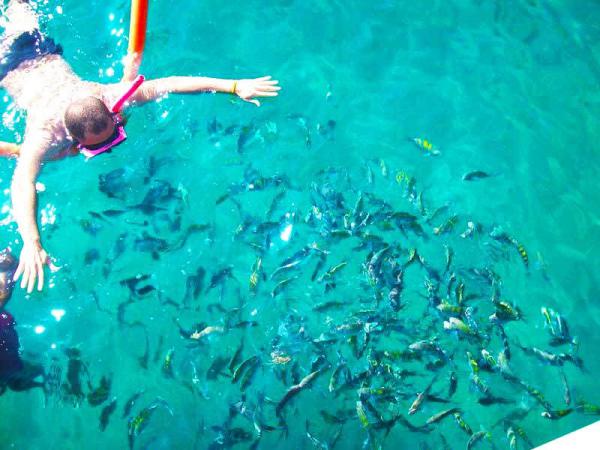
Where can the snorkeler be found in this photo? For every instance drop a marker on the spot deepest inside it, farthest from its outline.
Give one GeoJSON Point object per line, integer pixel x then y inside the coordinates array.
{"type": "Point", "coordinates": [67, 115]}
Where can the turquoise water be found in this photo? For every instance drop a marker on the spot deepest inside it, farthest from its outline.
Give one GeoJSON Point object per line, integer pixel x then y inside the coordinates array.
{"type": "Point", "coordinates": [507, 88]}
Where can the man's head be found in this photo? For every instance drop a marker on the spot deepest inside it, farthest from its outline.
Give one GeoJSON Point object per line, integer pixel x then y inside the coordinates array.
{"type": "Point", "coordinates": [89, 121]}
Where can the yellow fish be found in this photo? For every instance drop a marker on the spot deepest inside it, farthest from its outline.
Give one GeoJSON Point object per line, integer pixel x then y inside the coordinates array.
{"type": "Point", "coordinates": [426, 145]}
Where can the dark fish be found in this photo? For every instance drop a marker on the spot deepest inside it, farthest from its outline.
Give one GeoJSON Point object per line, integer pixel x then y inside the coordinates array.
{"type": "Point", "coordinates": [145, 290]}
{"type": "Point", "coordinates": [326, 130]}
{"type": "Point", "coordinates": [437, 213]}
{"type": "Point", "coordinates": [555, 415]}
{"type": "Point", "coordinates": [193, 286]}
{"type": "Point", "coordinates": [158, 197]}
{"type": "Point", "coordinates": [462, 424]}
{"type": "Point", "coordinates": [501, 236]}
{"type": "Point", "coordinates": [316, 442]}
{"type": "Point", "coordinates": [137, 424]}
{"type": "Point", "coordinates": [213, 127]}
{"type": "Point", "coordinates": [490, 399]}
{"type": "Point", "coordinates": [222, 198]}
{"type": "Point", "coordinates": [334, 419]}
{"type": "Point", "coordinates": [295, 260]}
{"type": "Point", "coordinates": [229, 437]}
{"type": "Point", "coordinates": [449, 256]}
{"type": "Point", "coordinates": [156, 163]}
{"type": "Point", "coordinates": [279, 287]}
{"type": "Point", "coordinates": [144, 358]}
{"type": "Point", "coordinates": [130, 402]}
{"type": "Point", "coordinates": [396, 290]}
{"type": "Point", "coordinates": [245, 365]}
{"type": "Point", "coordinates": [588, 408]}
{"type": "Point", "coordinates": [566, 390]}
{"type": "Point", "coordinates": [114, 183]}
{"type": "Point", "coordinates": [453, 384]}
{"type": "Point", "coordinates": [159, 346]}
{"type": "Point", "coordinates": [362, 414]}
{"type": "Point", "coordinates": [115, 252]}
{"type": "Point", "coordinates": [340, 376]}
{"type": "Point", "coordinates": [106, 413]}
{"type": "Point", "coordinates": [100, 394]}
{"type": "Point", "coordinates": [167, 366]}
{"type": "Point", "coordinates": [255, 275]}
{"type": "Point", "coordinates": [216, 368]}
{"type": "Point", "coordinates": [506, 312]}
{"type": "Point", "coordinates": [330, 273]}
{"type": "Point", "coordinates": [476, 437]}
{"type": "Point", "coordinates": [555, 359]}
{"type": "Point", "coordinates": [326, 306]}
{"type": "Point", "coordinates": [248, 375]}
{"type": "Point", "coordinates": [150, 244]}
{"type": "Point", "coordinates": [447, 226]}
{"type": "Point", "coordinates": [557, 326]}
{"type": "Point", "coordinates": [522, 252]}
{"type": "Point", "coordinates": [439, 416]}
{"type": "Point", "coordinates": [91, 256]}
{"type": "Point", "coordinates": [113, 212]}
{"type": "Point", "coordinates": [294, 390]}
{"type": "Point", "coordinates": [247, 134]}
{"type": "Point", "coordinates": [132, 284]}
{"type": "Point", "coordinates": [219, 277]}
{"type": "Point", "coordinates": [475, 175]}
{"type": "Point", "coordinates": [320, 263]}
{"type": "Point", "coordinates": [506, 347]}
{"type": "Point", "coordinates": [191, 229]}
{"type": "Point", "coordinates": [472, 230]}
{"type": "Point", "coordinates": [235, 358]}
{"type": "Point", "coordinates": [243, 324]}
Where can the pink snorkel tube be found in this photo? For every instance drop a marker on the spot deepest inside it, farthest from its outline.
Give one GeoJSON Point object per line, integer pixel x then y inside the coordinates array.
{"type": "Point", "coordinates": [119, 134]}
{"type": "Point", "coordinates": [134, 87]}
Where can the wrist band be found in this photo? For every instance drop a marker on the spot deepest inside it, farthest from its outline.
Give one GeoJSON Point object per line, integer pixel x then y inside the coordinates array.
{"type": "Point", "coordinates": [234, 87]}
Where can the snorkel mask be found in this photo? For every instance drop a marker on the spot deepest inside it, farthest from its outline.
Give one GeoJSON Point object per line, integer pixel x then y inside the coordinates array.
{"type": "Point", "coordinates": [118, 135]}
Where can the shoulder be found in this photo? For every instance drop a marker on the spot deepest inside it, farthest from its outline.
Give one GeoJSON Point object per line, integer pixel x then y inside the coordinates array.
{"type": "Point", "coordinates": [40, 136]}
{"type": "Point", "coordinates": [110, 93]}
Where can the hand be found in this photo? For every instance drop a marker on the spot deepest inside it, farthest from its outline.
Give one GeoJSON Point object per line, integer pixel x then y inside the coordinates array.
{"type": "Point", "coordinates": [31, 266]}
{"type": "Point", "coordinates": [257, 87]}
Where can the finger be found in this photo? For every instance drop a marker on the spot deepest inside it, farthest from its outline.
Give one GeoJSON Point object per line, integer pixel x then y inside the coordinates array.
{"type": "Point", "coordinates": [31, 282]}
{"type": "Point", "coordinates": [254, 101]}
{"type": "Point", "coordinates": [270, 82]}
{"type": "Point", "coordinates": [266, 87]}
{"type": "Point", "coordinates": [267, 94]}
{"type": "Point", "coordinates": [40, 276]}
{"type": "Point", "coordinates": [264, 78]}
{"type": "Point", "coordinates": [25, 277]}
{"type": "Point", "coordinates": [19, 271]}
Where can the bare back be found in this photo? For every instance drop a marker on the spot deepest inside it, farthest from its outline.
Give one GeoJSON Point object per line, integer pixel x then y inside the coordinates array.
{"type": "Point", "coordinates": [43, 88]}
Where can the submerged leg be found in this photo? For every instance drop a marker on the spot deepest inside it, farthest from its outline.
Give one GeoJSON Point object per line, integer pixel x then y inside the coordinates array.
{"type": "Point", "coordinates": [8, 265]}
{"type": "Point", "coordinates": [27, 378]}
{"type": "Point", "coordinates": [10, 360]}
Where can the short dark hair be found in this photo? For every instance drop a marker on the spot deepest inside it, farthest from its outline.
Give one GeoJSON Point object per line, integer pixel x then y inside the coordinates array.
{"type": "Point", "coordinates": [85, 115]}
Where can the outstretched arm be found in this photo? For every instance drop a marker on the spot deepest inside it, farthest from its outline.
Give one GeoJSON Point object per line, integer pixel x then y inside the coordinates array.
{"type": "Point", "coordinates": [246, 89]}
{"type": "Point", "coordinates": [9, 149]}
{"type": "Point", "coordinates": [131, 66]}
{"type": "Point", "coordinates": [24, 200]}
